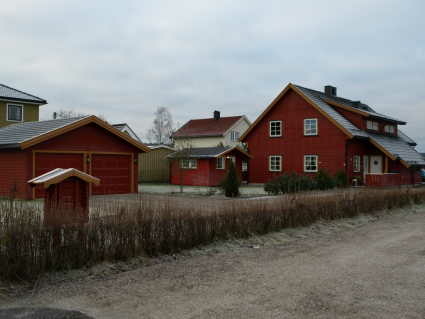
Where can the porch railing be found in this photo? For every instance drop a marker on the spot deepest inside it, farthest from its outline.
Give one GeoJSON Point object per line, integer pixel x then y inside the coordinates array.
{"type": "Point", "coordinates": [387, 179]}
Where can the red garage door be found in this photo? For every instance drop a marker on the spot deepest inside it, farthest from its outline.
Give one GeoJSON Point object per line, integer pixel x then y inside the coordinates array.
{"type": "Point", "coordinates": [45, 162]}
{"type": "Point", "coordinates": [114, 172]}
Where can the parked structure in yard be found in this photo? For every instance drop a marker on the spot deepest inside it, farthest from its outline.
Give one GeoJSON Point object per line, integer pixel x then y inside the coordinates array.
{"type": "Point", "coordinates": [305, 130]}
{"type": "Point", "coordinates": [204, 146]}
{"type": "Point", "coordinates": [154, 166]}
{"type": "Point", "coordinates": [88, 144]}
{"type": "Point", "coordinates": [67, 195]}
{"type": "Point", "coordinates": [17, 106]}
{"type": "Point", "coordinates": [125, 128]}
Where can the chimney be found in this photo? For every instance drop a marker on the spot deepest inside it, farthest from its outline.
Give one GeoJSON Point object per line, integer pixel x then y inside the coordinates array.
{"type": "Point", "coordinates": [216, 115]}
{"type": "Point", "coordinates": [330, 90]}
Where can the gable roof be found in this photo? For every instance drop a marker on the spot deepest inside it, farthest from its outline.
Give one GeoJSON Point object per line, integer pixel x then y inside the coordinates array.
{"type": "Point", "coordinates": [124, 127]}
{"type": "Point", "coordinates": [206, 127]}
{"type": "Point", "coordinates": [59, 174]}
{"type": "Point", "coordinates": [208, 152]}
{"type": "Point", "coordinates": [394, 147]}
{"type": "Point", "coordinates": [27, 134]}
{"type": "Point", "coordinates": [11, 94]}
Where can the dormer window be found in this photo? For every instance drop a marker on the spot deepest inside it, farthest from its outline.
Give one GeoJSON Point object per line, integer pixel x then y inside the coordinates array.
{"type": "Point", "coordinates": [275, 128]}
{"type": "Point", "coordinates": [234, 136]}
{"type": "Point", "coordinates": [390, 129]}
{"type": "Point", "coordinates": [15, 112]}
{"type": "Point", "coordinates": [372, 125]}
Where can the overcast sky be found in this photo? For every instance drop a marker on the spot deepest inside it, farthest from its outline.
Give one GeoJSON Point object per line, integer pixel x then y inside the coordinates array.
{"type": "Point", "coordinates": [123, 59]}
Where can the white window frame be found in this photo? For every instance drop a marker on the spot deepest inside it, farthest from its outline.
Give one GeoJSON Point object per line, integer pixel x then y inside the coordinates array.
{"type": "Point", "coordinates": [372, 125]}
{"type": "Point", "coordinates": [390, 129]}
{"type": "Point", "coordinates": [220, 163]}
{"type": "Point", "coordinates": [234, 136]}
{"type": "Point", "coordinates": [244, 167]}
{"type": "Point", "coordinates": [7, 112]}
{"type": "Point", "coordinates": [280, 128]}
{"type": "Point", "coordinates": [191, 163]}
{"type": "Point", "coordinates": [316, 157]}
{"type": "Point", "coordinates": [271, 158]}
{"type": "Point", "coordinates": [308, 127]}
{"type": "Point", "coordinates": [356, 163]}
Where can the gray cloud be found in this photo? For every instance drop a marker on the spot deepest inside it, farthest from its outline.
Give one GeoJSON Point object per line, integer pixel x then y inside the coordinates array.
{"type": "Point", "coordinates": [123, 59]}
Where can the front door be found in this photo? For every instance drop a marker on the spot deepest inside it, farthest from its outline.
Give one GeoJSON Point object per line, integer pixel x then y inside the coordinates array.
{"type": "Point", "coordinates": [376, 164]}
{"type": "Point", "coordinates": [366, 164]}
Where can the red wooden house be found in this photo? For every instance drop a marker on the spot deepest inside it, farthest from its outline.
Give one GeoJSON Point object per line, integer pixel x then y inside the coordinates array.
{"type": "Point", "coordinates": [305, 130]}
{"type": "Point", "coordinates": [88, 144]}
{"type": "Point", "coordinates": [204, 149]}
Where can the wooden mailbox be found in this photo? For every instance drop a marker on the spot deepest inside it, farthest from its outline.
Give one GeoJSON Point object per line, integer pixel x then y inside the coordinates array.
{"type": "Point", "coordinates": [67, 195]}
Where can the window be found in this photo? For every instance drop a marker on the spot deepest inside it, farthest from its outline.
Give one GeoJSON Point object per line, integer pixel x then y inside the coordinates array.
{"type": "Point", "coordinates": [275, 128]}
{"type": "Point", "coordinates": [275, 163]}
{"type": "Point", "coordinates": [356, 163]}
{"type": "Point", "coordinates": [310, 163]}
{"type": "Point", "coordinates": [244, 166]}
{"type": "Point", "coordinates": [310, 127]}
{"type": "Point", "coordinates": [15, 112]}
{"type": "Point", "coordinates": [389, 129]}
{"type": "Point", "coordinates": [372, 125]}
{"type": "Point", "coordinates": [220, 163]}
{"type": "Point", "coordinates": [234, 136]}
{"type": "Point", "coordinates": [188, 163]}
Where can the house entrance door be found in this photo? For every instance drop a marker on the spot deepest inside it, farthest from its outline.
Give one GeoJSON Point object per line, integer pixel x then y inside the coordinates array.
{"type": "Point", "coordinates": [366, 164]}
{"type": "Point", "coordinates": [376, 164]}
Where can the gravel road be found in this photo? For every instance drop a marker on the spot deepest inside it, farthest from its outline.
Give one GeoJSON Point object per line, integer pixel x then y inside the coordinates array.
{"type": "Point", "coordinates": [365, 267]}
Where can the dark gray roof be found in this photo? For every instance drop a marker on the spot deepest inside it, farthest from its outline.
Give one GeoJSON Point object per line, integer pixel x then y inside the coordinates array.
{"type": "Point", "coordinates": [120, 126]}
{"type": "Point", "coordinates": [406, 138]}
{"type": "Point", "coordinates": [8, 93]}
{"type": "Point", "coordinates": [349, 103]}
{"type": "Point", "coordinates": [200, 152]}
{"type": "Point", "coordinates": [12, 135]}
{"type": "Point", "coordinates": [397, 146]}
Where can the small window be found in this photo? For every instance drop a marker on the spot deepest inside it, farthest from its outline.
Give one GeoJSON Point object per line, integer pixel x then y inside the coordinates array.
{"type": "Point", "coordinates": [220, 164]}
{"type": "Point", "coordinates": [372, 125]}
{"type": "Point", "coordinates": [310, 127]}
{"type": "Point", "coordinates": [275, 128]}
{"type": "Point", "coordinates": [389, 129]}
{"type": "Point", "coordinates": [188, 163]}
{"type": "Point", "coordinates": [244, 166]}
{"type": "Point", "coordinates": [234, 136]}
{"type": "Point", "coordinates": [310, 163]}
{"type": "Point", "coordinates": [356, 163]}
{"type": "Point", "coordinates": [15, 112]}
{"type": "Point", "coordinates": [275, 163]}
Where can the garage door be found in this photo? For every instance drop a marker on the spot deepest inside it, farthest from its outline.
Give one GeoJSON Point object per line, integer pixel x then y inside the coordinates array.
{"type": "Point", "coordinates": [114, 172]}
{"type": "Point", "coordinates": [45, 162]}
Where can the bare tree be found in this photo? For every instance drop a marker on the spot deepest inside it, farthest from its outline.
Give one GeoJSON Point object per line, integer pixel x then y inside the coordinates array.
{"type": "Point", "coordinates": [162, 127]}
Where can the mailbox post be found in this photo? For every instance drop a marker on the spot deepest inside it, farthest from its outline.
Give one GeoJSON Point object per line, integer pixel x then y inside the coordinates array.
{"type": "Point", "coordinates": [67, 195]}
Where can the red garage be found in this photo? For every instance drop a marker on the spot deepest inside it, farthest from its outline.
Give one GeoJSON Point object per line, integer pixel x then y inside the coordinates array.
{"type": "Point", "coordinates": [87, 143]}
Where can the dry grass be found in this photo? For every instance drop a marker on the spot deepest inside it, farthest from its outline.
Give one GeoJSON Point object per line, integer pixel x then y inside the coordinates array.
{"type": "Point", "coordinates": [124, 229]}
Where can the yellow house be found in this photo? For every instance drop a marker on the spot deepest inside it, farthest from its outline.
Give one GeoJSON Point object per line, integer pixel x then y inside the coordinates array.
{"type": "Point", "coordinates": [17, 106]}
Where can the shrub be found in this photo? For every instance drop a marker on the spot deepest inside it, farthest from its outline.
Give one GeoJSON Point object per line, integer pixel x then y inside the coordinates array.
{"type": "Point", "coordinates": [341, 179]}
{"type": "Point", "coordinates": [230, 184]}
{"type": "Point", "coordinates": [323, 180]}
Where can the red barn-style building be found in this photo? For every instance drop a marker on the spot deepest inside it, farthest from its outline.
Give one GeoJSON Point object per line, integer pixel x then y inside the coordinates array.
{"type": "Point", "coordinates": [305, 130]}
{"type": "Point", "coordinates": [88, 144]}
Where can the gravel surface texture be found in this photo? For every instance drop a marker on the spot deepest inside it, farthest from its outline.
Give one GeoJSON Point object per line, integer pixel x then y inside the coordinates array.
{"type": "Point", "coordinates": [364, 267]}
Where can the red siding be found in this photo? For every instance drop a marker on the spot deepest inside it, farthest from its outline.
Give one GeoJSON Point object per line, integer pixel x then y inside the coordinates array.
{"type": "Point", "coordinates": [199, 176]}
{"type": "Point", "coordinates": [14, 174]}
{"type": "Point", "coordinates": [206, 174]}
{"type": "Point", "coordinates": [292, 109]}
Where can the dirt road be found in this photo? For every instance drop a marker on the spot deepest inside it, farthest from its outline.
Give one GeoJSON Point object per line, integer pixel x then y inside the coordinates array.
{"type": "Point", "coordinates": [366, 267]}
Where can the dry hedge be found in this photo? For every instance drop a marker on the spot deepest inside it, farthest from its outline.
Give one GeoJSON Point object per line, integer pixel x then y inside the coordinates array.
{"type": "Point", "coordinates": [122, 230]}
